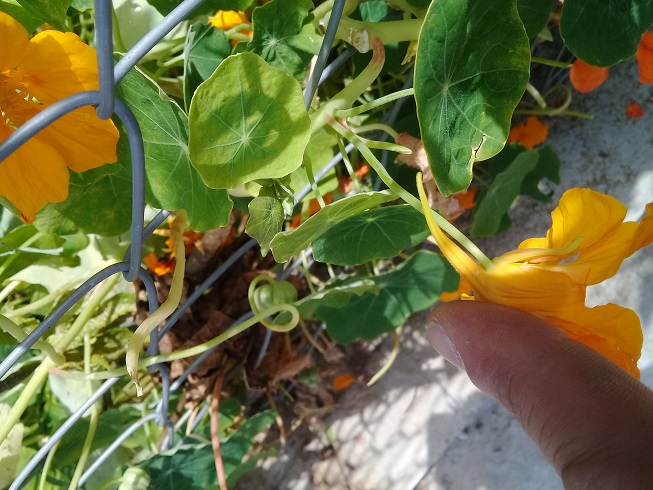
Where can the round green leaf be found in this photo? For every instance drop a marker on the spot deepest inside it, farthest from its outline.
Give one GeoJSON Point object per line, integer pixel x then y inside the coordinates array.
{"type": "Point", "coordinates": [284, 35]}
{"type": "Point", "coordinates": [288, 243]}
{"type": "Point", "coordinates": [172, 182]}
{"type": "Point", "coordinates": [535, 14]}
{"type": "Point", "coordinates": [413, 286]}
{"type": "Point", "coordinates": [247, 122]}
{"type": "Point", "coordinates": [603, 33]}
{"type": "Point", "coordinates": [472, 67]}
{"type": "Point", "coordinates": [374, 234]}
{"type": "Point", "coordinates": [266, 219]}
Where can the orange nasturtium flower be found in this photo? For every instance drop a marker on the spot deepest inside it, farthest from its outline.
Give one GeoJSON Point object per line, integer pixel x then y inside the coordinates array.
{"type": "Point", "coordinates": [530, 134]}
{"type": "Point", "coordinates": [548, 277]}
{"type": "Point", "coordinates": [35, 74]}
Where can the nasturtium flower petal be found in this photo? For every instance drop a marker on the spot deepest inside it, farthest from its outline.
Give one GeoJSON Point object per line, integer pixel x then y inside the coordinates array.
{"type": "Point", "coordinates": [644, 234]}
{"type": "Point", "coordinates": [32, 176]}
{"type": "Point", "coordinates": [582, 213]}
{"type": "Point", "coordinates": [95, 148]}
{"type": "Point", "coordinates": [586, 78]}
{"type": "Point", "coordinates": [14, 41]}
{"type": "Point", "coordinates": [613, 330]}
{"type": "Point", "coordinates": [644, 58]}
{"type": "Point", "coordinates": [548, 277]}
{"type": "Point", "coordinates": [33, 75]}
{"type": "Point", "coordinates": [227, 19]}
{"type": "Point", "coordinates": [59, 64]}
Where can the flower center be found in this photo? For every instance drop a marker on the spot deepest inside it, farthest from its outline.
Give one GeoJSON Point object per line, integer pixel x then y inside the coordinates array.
{"type": "Point", "coordinates": [16, 103]}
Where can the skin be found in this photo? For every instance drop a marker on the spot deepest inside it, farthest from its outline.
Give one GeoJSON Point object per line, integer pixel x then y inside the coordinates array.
{"type": "Point", "coordinates": [591, 419]}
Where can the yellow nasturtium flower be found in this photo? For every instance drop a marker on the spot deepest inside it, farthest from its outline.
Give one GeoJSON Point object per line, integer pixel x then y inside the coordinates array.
{"type": "Point", "coordinates": [35, 74]}
{"type": "Point", "coordinates": [227, 19]}
{"type": "Point", "coordinates": [548, 277]}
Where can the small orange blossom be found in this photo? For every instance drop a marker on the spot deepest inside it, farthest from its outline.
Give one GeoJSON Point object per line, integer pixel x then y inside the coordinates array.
{"type": "Point", "coordinates": [35, 74]}
{"type": "Point", "coordinates": [530, 134]}
{"type": "Point", "coordinates": [547, 277]}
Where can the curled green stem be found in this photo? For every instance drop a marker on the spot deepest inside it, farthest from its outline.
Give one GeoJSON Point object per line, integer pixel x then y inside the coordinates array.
{"type": "Point", "coordinates": [198, 349]}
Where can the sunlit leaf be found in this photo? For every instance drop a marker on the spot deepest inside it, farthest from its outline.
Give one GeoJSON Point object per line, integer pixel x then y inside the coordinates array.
{"type": "Point", "coordinates": [247, 122]}
{"type": "Point", "coordinates": [284, 35]}
{"type": "Point", "coordinates": [205, 48]}
{"type": "Point", "coordinates": [471, 70]}
{"type": "Point", "coordinates": [289, 243]}
{"type": "Point", "coordinates": [172, 182]}
{"type": "Point", "coordinates": [374, 234]}
{"type": "Point", "coordinates": [603, 33]}
{"type": "Point", "coordinates": [266, 219]}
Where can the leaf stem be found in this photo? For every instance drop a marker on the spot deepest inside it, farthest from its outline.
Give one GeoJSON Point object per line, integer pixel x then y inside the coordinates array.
{"type": "Point", "coordinates": [47, 464]}
{"type": "Point", "coordinates": [348, 95]}
{"type": "Point", "coordinates": [354, 111]}
{"type": "Point", "coordinates": [13, 417]}
{"type": "Point", "coordinates": [536, 95]}
{"type": "Point", "coordinates": [391, 360]}
{"type": "Point", "coordinates": [308, 167]}
{"type": "Point", "coordinates": [378, 167]}
{"type": "Point", "coordinates": [359, 33]}
{"type": "Point", "coordinates": [548, 62]}
{"type": "Point", "coordinates": [93, 420]}
{"type": "Point", "coordinates": [8, 289]}
{"type": "Point", "coordinates": [43, 345]}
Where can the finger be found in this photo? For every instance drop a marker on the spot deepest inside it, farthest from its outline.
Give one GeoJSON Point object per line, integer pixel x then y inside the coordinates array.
{"type": "Point", "coordinates": [591, 419]}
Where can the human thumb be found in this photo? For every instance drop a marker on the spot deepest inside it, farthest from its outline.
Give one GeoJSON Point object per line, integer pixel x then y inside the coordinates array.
{"type": "Point", "coordinates": [592, 420]}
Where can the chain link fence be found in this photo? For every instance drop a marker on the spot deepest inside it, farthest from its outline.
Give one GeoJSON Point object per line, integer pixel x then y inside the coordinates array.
{"type": "Point", "coordinates": [107, 105]}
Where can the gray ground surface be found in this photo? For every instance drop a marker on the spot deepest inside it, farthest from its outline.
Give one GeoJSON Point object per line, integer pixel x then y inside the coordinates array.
{"type": "Point", "coordinates": [424, 426]}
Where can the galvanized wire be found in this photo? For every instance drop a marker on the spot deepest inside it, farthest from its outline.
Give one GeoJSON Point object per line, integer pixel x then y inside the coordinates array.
{"type": "Point", "coordinates": [107, 104]}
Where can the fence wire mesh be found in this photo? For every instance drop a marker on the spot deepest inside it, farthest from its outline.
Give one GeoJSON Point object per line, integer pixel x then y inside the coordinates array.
{"type": "Point", "coordinates": [108, 105]}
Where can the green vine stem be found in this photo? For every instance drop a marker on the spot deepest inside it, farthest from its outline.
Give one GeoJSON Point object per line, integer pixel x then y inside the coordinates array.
{"type": "Point", "coordinates": [308, 167]}
{"type": "Point", "coordinates": [198, 349]}
{"type": "Point", "coordinates": [93, 419]}
{"type": "Point", "coordinates": [347, 162]}
{"type": "Point", "coordinates": [348, 95]}
{"type": "Point", "coordinates": [8, 289]}
{"type": "Point", "coordinates": [381, 145]}
{"type": "Point", "coordinates": [354, 111]}
{"type": "Point", "coordinates": [359, 33]}
{"type": "Point", "coordinates": [391, 360]}
{"type": "Point", "coordinates": [41, 372]}
{"type": "Point", "coordinates": [135, 344]}
{"type": "Point", "coordinates": [378, 167]}
{"type": "Point", "coordinates": [536, 95]}
{"type": "Point", "coordinates": [47, 464]}
{"type": "Point", "coordinates": [45, 300]}
{"type": "Point", "coordinates": [43, 345]}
